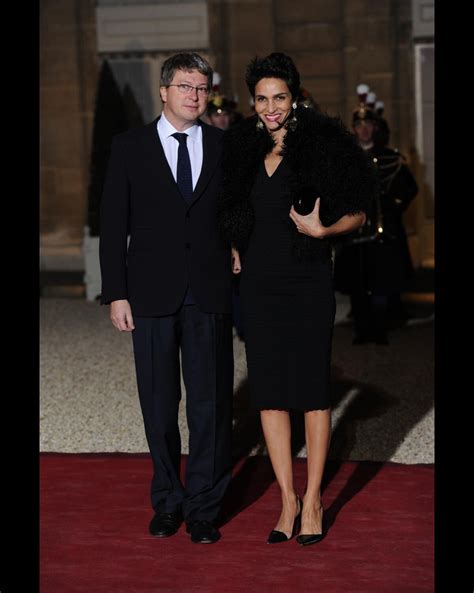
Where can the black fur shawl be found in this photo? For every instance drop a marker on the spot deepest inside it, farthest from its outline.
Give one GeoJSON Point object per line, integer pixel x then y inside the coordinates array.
{"type": "Point", "coordinates": [322, 156]}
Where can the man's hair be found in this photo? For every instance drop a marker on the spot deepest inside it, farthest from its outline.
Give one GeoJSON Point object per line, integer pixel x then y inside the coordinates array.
{"type": "Point", "coordinates": [276, 65]}
{"type": "Point", "coordinates": [186, 61]}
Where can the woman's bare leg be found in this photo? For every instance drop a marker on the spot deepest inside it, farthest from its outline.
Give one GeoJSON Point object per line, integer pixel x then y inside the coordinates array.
{"type": "Point", "coordinates": [277, 430]}
{"type": "Point", "coordinates": [318, 436]}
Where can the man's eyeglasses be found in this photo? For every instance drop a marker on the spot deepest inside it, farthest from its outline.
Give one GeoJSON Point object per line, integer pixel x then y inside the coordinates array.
{"type": "Point", "coordinates": [187, 89]}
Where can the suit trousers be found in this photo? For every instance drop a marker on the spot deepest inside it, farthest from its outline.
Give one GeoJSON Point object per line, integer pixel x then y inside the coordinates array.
{"type": "Point", "coordinates": [205, 342]}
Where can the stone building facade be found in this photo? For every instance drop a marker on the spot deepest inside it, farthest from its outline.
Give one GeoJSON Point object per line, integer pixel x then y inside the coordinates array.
{"type": "Point", "coordinates": [68, 77]}
{"type": "Point", "coordinates": [336, 44]}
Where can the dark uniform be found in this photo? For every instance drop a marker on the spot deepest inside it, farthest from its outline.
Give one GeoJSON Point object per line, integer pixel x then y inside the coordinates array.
{"type": "Point", "coordinates": [373, 264]}
{"type": "Point", "coordinates": [217, 105]}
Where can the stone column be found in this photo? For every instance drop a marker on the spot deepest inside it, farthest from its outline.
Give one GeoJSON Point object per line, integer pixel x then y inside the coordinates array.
{"type": "Point", "coordinates": [68, 74]}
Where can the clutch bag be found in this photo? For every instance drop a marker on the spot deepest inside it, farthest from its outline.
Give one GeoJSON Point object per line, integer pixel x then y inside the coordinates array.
{"type": "Point", "coordinates": [304, 201]}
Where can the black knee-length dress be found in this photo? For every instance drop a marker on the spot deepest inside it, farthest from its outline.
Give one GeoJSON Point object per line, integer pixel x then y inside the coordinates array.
{"type": "Point", "coordinates": [288, 307]}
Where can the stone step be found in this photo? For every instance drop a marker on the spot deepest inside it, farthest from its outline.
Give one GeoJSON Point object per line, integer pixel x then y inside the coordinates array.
{"type": "Point", "coordinates": [63, 291]}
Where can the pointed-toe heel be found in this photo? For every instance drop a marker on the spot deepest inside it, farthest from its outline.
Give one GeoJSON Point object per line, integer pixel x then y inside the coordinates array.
{"type": "Point", "coordinates": [277, 537]}
{"type": "Point", "coordinates": [307, 540]}
{"type": "Point", "coordinates": [312, 538]}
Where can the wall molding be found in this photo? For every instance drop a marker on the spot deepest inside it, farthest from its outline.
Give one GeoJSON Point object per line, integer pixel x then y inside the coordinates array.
{"type": "Point", "coordinates": [423, 19]}
{"type": "Point", "coordinates": [152, 27]}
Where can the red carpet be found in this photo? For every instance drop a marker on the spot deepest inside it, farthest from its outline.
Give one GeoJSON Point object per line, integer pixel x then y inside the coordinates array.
{"type": "Point", "coordinates": [94, 532]}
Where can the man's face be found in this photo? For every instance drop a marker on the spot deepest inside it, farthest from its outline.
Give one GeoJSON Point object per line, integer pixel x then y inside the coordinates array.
{"type": "Point", "coordinates": [220, 120]}
{"type": "Point", "coordinates": [183, 109]}
{"type": "Point", "coordinates": [364, 130]}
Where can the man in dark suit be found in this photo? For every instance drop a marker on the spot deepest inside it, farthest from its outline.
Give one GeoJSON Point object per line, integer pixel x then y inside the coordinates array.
{"type": "Point", "coordinates": [171, 287]}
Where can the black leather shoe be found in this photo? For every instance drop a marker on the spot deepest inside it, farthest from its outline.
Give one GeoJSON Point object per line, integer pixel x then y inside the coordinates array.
{"type": "Point", "coordinates": [277, 537]}
{"type": "Point", "coordinates": [165, 524]}
{"type": "Point", "coordinates": [312, 538]}
{"type": "Point", "coordinates": [203, 532]}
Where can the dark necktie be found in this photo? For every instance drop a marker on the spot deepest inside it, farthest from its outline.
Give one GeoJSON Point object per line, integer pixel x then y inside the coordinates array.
{"type": "Point", "coordinates": [184, 180]}
{"type": "Point", "coordinates": [184, 177]}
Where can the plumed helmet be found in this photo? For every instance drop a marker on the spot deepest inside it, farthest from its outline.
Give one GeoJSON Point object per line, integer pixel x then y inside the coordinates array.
{"type": "Point", "coordinates": [218, 103]}
{"type": "Point", "coordinates": [364, 111]}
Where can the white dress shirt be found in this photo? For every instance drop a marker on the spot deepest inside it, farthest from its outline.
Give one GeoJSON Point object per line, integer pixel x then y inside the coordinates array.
{"type": "Point", "coordinates": [170, 146]}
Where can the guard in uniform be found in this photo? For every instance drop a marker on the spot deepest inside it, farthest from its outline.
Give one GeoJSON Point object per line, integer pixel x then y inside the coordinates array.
{"type": "Point", "coordinates": [222, 113]}
{"type": "Point", "coordinates": [374, 265]}
{"type": "Point", "coordinates": [219, 111]}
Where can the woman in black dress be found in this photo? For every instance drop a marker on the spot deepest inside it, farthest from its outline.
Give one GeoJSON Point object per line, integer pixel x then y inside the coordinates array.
{"type": "Point", "coordinates": [286, 157]}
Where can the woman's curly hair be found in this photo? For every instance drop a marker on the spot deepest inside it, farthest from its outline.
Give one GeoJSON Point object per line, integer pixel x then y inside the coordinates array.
{"type": "Point", "coordinates": [276, 65]}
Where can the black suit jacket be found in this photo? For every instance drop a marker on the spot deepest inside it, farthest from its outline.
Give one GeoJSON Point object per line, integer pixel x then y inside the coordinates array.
{"type": "Point", "coordinates": [171, 243]}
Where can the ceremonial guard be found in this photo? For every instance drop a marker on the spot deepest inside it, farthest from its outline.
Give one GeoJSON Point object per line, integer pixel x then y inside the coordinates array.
{"type": "Point", "coordinates": [373, 265]}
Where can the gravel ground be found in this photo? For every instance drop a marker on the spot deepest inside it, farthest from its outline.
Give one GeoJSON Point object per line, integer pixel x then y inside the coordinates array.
{"type": "Point", "coordinates": [382, 395]}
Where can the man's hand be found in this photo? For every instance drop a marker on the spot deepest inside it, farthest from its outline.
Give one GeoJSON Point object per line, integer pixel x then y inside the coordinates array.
{"type": "Point", "coordinates": [121, 315]}
{"type": "Point", "coordinates": [236, 267]}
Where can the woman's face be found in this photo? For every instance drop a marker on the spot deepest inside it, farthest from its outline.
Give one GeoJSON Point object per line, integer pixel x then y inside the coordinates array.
{"type": "Point", "coordinates": [272, 102]}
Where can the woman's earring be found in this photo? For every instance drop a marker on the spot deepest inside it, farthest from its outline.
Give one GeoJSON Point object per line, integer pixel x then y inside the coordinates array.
{"type": "Point", "coordinates": [293, 121]}
{"type": "Point", "coordinates": [295, 105]}
{"type": "Point", "coordinates": [259, 124]}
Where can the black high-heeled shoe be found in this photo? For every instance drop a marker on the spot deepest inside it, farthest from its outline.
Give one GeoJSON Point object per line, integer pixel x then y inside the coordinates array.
{"type": "Point", "coordinates": [277, 537]}
{"type": "Point", "coordinates": [312, 538]}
